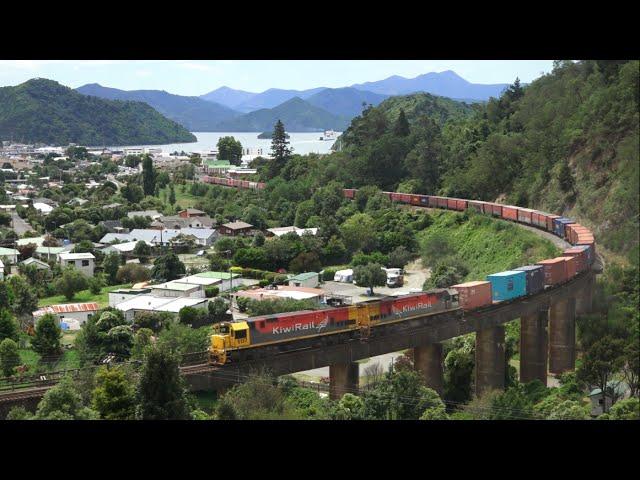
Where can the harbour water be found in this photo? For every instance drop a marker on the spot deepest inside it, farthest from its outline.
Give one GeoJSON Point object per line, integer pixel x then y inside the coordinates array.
{"type": "Point", "coordinates": [302, 143]}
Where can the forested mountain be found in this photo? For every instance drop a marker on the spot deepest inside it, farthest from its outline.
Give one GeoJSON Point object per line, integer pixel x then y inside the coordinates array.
{"type": "Point", "coordinates": [193, 113]}
{"type": "Point", "coordinates": [42, 110]}
{"type": "Point", "coordinates": [346, 102]}
{"type": "Point", "coordinates": [567, 143]}
{"type": "Point", "coordinates": [296, 114]}
{"type": "Point", "coordinates": [445, 84]}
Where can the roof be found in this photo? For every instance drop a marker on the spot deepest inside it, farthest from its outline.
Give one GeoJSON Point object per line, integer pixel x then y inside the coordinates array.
{"type": "Point", "coordinates": [618, 387]}
{"type": "Point", "coordinates": [297, 293]}
{"type": "Point", "coordinates": [174, 285]}
{"type": "Point", "coordinates": [304, 276]}
{"type": "Point", "coordinates": [125, 247]}
{"type": "Point", "coordinates": [217, 275]}
{"type": "Point", "coordinates": [51, 250]}
{"type": "Point", "coordinates": [161, 304]}
{"type": "Point", "coordinates": [76, 256]}
{"type": "Point", "coordinates": [26, 241]}
{"type": "Point", "coordinates": [218, 163]}
{"type": "Point", "coordinates": [144, 213]}
{"type": "Point", "coordinates": [195, 280]}
{"type": "Point", "coordinates": [111, 237]}
{"type": "Point", "coordinates": [237, 225]}
{"type": "Point", "coordinates": [67, 308]}
{"type": "Point", "coordinates": [31, 260]}
{"type": "Point", "coordinates": [279, 231]}
{"type": "Point", "coordinates": [192, 210]}
{"type": "Point", "coordinates": [8, 251]}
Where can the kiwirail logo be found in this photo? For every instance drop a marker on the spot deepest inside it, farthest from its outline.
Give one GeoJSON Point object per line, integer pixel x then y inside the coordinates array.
{"type": "Point", "coordinates": [297, 327]}
{"type": "Point", "coordinates": [411, 308]}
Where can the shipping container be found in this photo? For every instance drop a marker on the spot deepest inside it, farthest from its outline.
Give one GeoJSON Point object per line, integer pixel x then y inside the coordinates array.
{"type": "Point", "coordinates": [559, 225]}
{"type": "Point", "coordinates": [433, 202]}
{"type": "Point", "coordinates": [476, 205]}
{"type": "Point", "coordinates": [525, 215]}
{"type": "Point", "coordinates": [424, 200]}
{"type": "Point", "coordinates": [554, 270]}
{"type": "Point", "coordinates": [543, 220]}
{"type": "Point", "coordinates": [451, 203]}
{"type": "Point", "coordinates": [497, 210]}
{"type": "Point", "coordinates": [487, 208]}
{"type": "Point", "coordinates": [588, 254]}
{"type": "Point", "coordinates": [461, 205]}
{"type": "Point", "coordinates": [442, 202]}
{"type": "Point", "coordinates": [550, 219]}
{"type": "Point", "coordinates": [472, 295]}
{"type": "Point", "coordinates": [510, 213]}
{"type": "Point", "coordinates": [571, 267]}
{"type": "Point", "coordinates": [580, 255]}
{"type": "Point", "coordinates": [508, 285]}
{"type": "Point", "coordinates": [535, 278]}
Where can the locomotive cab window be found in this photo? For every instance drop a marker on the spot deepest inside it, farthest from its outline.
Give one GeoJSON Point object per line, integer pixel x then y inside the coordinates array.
{"type": "Point", "coordinates": [240, 334]}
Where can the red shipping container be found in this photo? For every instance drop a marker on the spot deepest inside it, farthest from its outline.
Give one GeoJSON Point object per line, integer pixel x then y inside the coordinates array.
{"type": "Point", "coordinates": [550, 219]}
{"type": "Point", "coordinates": [451, 203]}
{"type": "Point", "coordinates": [571, 267]}
{"type": "Point", "coordinates": [497, 210]}
{"type": "Point", "coordinates": [525, 215]}
{"type": "Point", "coordinates": [461, 205]}
{"type": "Point", "coordinates": [442, 202]}
{"type": "Point", "coordinates": [487, 208]}
{"type": "Point", "coordinates": [433, 202]}
{"type": "Point", "coordinates": [510, 213]}
{"type": "Point", "coordinates": [580, 256]}
{"type": "Point", "coordinates": [554, 270]}
{"type": "Point", "coordinates": [542, 220]}
{"type": "Point", "coordinates": [472, 295]}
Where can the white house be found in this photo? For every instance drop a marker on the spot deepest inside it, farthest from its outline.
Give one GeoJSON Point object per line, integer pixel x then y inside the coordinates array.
{"type": "Point", "coordinates": [85, 262]}
{"type": "Point", "coordinates": [9, 255]}
{"type": "Point", "coordinates": [39, 264]}
{"type": "Point", "coordinates": [43, 208]}
{"type": "Point", "coordinates": [176, 289]}
{"type": "Point", "coordinates": [124, 294]}
{"type": "Point", "coordinates": [70, 315]}
{"type": "Point", "coordinates": [150, 303]}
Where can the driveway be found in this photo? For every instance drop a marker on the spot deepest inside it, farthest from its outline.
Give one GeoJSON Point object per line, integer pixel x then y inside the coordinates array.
{"type": "Point", "coordinates": [19, 225]}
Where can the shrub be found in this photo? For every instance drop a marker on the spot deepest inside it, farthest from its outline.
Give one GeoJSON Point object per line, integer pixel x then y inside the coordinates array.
{"type": "Point", "coordinates": [211, 292]}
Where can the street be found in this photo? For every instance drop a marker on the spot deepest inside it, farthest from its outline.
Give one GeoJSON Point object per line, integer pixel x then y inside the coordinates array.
{"type": "Point", "coordinates": [19, 225]}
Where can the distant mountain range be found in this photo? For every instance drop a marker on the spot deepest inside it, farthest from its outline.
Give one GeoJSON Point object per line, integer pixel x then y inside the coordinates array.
{"type": "Point", "coordinates": [444, 84]}
{"type": "Point", "coordinates": [194, 113]}
{"type": "Point", "coordinates": [43, 111]}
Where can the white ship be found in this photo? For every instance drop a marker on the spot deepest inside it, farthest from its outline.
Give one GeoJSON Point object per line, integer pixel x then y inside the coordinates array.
{"type": "Point", "coordinates": [328, 135]}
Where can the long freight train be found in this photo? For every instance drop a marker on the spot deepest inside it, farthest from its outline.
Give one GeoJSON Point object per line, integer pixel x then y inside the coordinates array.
{"type": "Point", "coordinates": [234, 341]}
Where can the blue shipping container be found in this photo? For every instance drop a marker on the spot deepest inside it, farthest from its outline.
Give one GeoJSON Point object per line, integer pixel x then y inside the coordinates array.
{"type": "Point", "coordinates": [535, 278]}
{"type": "Point", "coordinates": [559, 224]}
{"type": "Point", "coordinates": [508, 285]}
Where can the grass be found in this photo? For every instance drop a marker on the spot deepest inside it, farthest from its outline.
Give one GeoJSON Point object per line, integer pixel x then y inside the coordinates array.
{"type": "Point", "coordinates": [486, 245]}
{"type": "Point", "coordinates": [207, 401]}
{"type": "Point", "coordinates": [102, 299]}
{"type": "Point", "coordinates": [184, 199]}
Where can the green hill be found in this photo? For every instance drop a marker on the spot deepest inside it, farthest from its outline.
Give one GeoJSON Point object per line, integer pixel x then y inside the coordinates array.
{"type": "Point", "coordinates": [43, 111]}
{"type": "Point", "coordinates": [296, 114]}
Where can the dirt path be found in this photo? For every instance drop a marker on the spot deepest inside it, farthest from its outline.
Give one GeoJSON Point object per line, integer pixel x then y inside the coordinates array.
{"type": "Point", "coordinates": [415, 274]}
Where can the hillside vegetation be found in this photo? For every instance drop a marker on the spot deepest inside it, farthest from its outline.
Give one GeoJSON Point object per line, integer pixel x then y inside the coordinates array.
{"type": "Point", "coordinates": [42, 110]}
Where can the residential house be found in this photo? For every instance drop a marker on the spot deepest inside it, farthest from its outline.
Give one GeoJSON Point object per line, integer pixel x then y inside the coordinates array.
{"type": "Point", "coordinates": [125, 248]}
{"type": "Point", "coordinates": [49, 253]}
{"type": "Point", "coordinates": [150, 303]}
{"type": "Point", "coordinates": [217, 167]}
{"type": "Point", "coordinates": [37, 241]}
{"type": "Point", "coordinates": [177, 221]}
{"type": "Point", "coordinates": [281, 291]}
{"type": "Point", "coordinates": [113, 226]}
{"type": "Point", "coordinates": [85, 262]}
{"type": "Point", "coordinates": [71, 315]}
{"type": "Point", "coordinates": [9, 255]}
{"type": "Point", "coordinates": [40, 265]}
{"type": "Point", "coordinates": [615, 388]}
{"type": "Point", "coordinates": [115, 237]}
{"type": "Point", "coordinates": [124, 294]}
{"type": "Point", "coordinates": [177, 289]}
{"type": "Point", "coordinates": [43, 208]}
{"type": "Point", "coordinates": [235, 229]}
{"type": "Point", "coordinates": [223, 280]}
{"type": "Point", "coordinates": [191, 212]}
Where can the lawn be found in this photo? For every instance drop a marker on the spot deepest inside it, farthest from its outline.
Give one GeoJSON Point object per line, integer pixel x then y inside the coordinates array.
{"type": "Point", "coordinates": [184, 199]}
{"type": "Point", "coordinates": [102, 299]}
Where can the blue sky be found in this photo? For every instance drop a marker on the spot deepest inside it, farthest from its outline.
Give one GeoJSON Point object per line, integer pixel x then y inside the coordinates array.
{"type": "Point", "coordinates": [196, 77]}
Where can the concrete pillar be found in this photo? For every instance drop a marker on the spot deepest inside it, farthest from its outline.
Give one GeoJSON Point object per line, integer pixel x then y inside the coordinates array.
{"type": "Point", "coordinates": [343, 378]}
{"type": "Point", "coordinates": [428, 361]}
{"type": "Point", "coordinates": [533, 347]}
{"type": "Point", "coordinates": [562, 335]}
{"type": "Point", "coordinates": [584, 301]}
{"type": "Point", "coordinates": [490, 360]}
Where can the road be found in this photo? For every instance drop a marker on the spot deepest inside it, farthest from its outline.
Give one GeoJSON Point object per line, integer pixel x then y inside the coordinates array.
{"type": "Point", "coordinates": [19, 225]}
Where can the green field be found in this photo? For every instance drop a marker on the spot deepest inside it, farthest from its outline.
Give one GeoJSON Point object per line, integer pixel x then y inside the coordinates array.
{"type": "Point", "coordinates": [102, 299]}
{"type": "Point", "coordinates": [487, 245]}
{"type": "Point", "coordinates": [184, 199]}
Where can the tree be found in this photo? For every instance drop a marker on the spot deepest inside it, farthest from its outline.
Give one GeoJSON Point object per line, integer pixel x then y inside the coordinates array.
{"type": "Point", "coordinates": [305, 262]}
{"type": "Point", "coordinates": [132, 192]}
{"type": "Point", "coordinates": [512, 404]}
{"type": "Point", "coordinates": [148, 175]}
{"type": "Point", "coordinates": [399, 257]}
{"type": "Point", "coordinates": [110, 266]}
{"type": "Point", "coordinates": [132, 273]}
{"type": "Point", "coordinates": [63, 402]}
{"type": "Point", "coordinates": [218, 310]}
{"type": "Point", "coordinates": [71, 282]}
{"type": "Point", "coordinates": [631, 367]}
{"type": "Point", "coordinates": [401, 127]}
{"type": "Point", "coordinates": [357, 232]}
{"type": "Point", "coordinates": [95, 284]}
{"type": "Point", "coordinates": [8, 325]}
{"type": "Point", "coordinates": [161, 393]}
{"type": "Point", "coordinates": [46, 340]}
{"type": "Point", "coordinates": [569, 410]}
{"type": "Point", "coordinates": [280, 150]}
{"type": "Point", "coordinates": [114, 395]}
{"type": "Point", "coordinates": [142, 251]}
{"type": "Point", "coordinates": [9, 356]}
{"type": "Point", "coordinates": [600, 362]}
{"type": "Point", "coordinates": [370, 275]}
{"type": "Point", "coordinates": [458, 374]}
{"type": "Point", "coordinates": [627, 409]}
{"type": "Point", "coordinates": [167, 268]}
{"type": "Point", "coordinates": [230, 149]}
{"type": "Point", "coordinates": [172, 194]}
{"type": "Point", "coordinates": [25, 300]}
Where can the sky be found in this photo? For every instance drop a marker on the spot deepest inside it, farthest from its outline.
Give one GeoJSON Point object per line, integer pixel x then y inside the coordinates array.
{"type": "Point", "coordinates": [197, 77]}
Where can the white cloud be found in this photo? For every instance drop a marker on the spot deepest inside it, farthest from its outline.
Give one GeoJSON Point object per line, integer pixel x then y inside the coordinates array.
{"type": "Point", "coordinates": [197, 66]}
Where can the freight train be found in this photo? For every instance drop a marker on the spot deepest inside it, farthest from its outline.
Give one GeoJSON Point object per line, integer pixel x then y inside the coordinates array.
{"type": "Point", "coordinates": [234, 341]}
